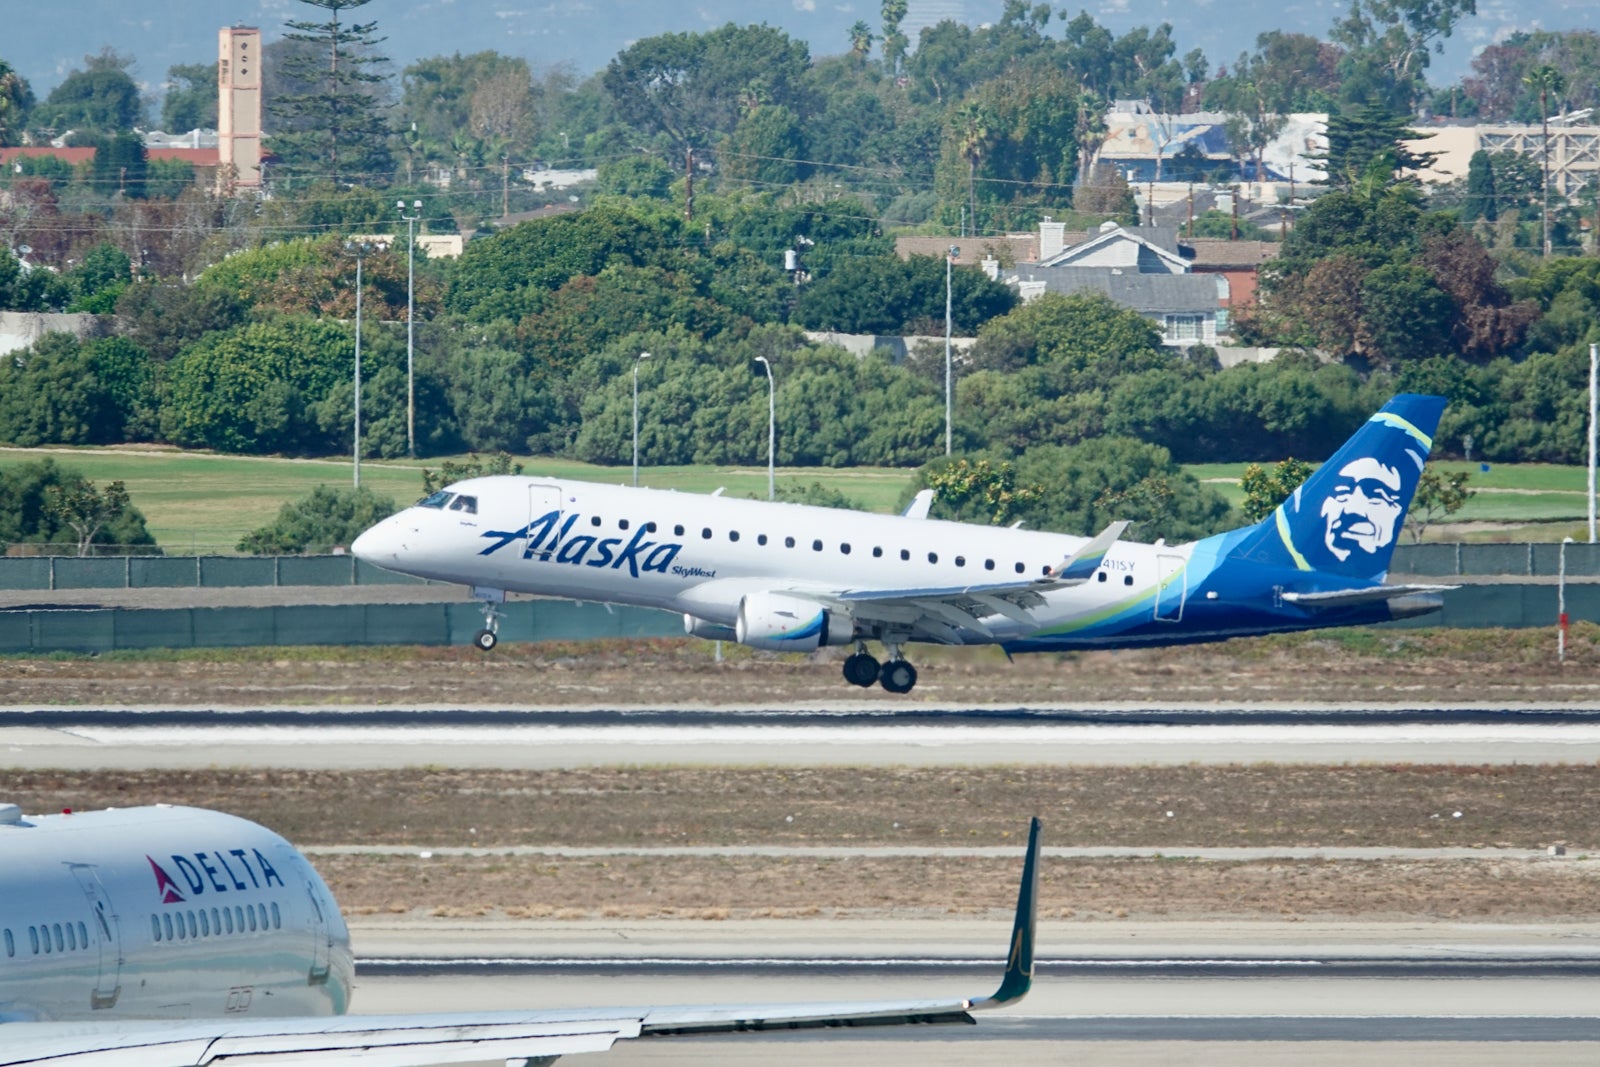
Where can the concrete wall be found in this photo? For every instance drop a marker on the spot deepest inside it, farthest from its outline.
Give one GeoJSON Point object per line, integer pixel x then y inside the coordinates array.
{"type": "Point", "coordinates": [19, 329]}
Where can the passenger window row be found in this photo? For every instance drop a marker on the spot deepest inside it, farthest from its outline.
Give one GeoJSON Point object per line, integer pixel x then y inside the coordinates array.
{"type": "Point", "coordinates": [49, 938]}
{"type": "Point", "coordinates": [218, 922]}
{"type": "Point", "coordinates": [817, 545]}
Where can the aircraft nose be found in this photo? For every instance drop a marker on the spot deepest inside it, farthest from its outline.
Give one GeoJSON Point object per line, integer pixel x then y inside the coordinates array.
{"type": "Point", "coordinates": [380, 544]}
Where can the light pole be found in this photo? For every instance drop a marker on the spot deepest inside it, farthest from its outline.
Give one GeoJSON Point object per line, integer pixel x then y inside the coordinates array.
{"type": "Point", "coordinates": [411, 332]}
{"type": "Point", "coordinates": [359, 249]}
{"type": "Point", "coordinates": [640, 358]}
{"type": "Point", "coordinates": [948, 391]}
{"type": "Point", "coordinates": [772, 428]}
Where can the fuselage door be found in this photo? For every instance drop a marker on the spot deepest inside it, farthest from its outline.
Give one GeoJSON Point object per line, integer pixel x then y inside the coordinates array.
{"type": "Point", "coordinates": [321, 943]}
{"type": "Point", "coordinates": [1171, 586]}
{"type": "Point", "coordinates": [107, 934]}
{"type": "Point", "coordinates": [544, 520]}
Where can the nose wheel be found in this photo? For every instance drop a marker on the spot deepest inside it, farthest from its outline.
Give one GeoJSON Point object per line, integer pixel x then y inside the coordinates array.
{"type": "Point", "coordinates": [486, 638]}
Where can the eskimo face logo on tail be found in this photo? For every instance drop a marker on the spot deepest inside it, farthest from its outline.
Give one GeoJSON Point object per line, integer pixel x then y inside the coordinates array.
{"type": "Point", "coordinates": [1363, 512]}
{"type": "Point", "coordinates": [165, 885]}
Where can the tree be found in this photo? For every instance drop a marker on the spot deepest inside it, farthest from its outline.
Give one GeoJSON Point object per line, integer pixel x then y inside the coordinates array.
{"type": "Point", "coordinates": [334, 129]}
{"type": "Point", "coordinates": [85, 509]}
{"type": "Point", "coordinates": [120, 166]}
{"type": "Point", "coordinates": [766, 148]}
{"type": "Point", "coordinates": [191, 101]}
{"type": "Point", "coordinates": [1388, 43]}
{"type": "Point", "coordinates": [1480, 200]}
{"type": "Point", "coordinates": [1367, 137]}
{"type": "Point", "coordinates": [635, 176]}
{"type": "Point", "coordinates": [887, 295]}
{"type": "Point", "coordinates": [450, 471]}
{"type": "Point", "coordinates": [1264, 490]}
{"type": "Point", "coordinates": [256, 388]}
{"type": "Point", "coordinates": [16, 100]}
{"type": "Point", "coordinates": [894, 42]}
{"type": "Point", "coordinates": [1437, 498]}
{"type": "Point", "coordinates": [1549, 81]}
{"type": "Point", "coordinates": [326, 519]}
{"type": "Point", "coordinates": [977, 490]}
{"type": "Point", "coordinates": [101, 99]}
{"type": "Point", "coordinates": [861, 39]}
{"type": "Point", "coordinates": [693, 88]}
{"type": "Point", "coordinates": [44, 504]}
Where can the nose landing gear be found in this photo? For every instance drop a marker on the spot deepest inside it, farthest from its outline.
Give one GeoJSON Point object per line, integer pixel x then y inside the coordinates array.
{"type": "Point", "coordinates": [486, 638]}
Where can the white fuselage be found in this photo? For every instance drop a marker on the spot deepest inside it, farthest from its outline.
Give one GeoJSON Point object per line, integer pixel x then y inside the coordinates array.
{"type": "Point", "coordinates": [701, 554]}
{"type": "Point", "coordinates": [162, 913]}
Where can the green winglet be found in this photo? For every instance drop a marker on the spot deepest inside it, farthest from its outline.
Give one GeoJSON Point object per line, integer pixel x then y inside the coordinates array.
{"type": "Point", "coordinates": [1014, 984]}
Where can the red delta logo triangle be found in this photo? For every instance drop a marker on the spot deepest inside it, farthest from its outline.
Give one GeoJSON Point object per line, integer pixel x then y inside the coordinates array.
{"type": "Point", "coordinates": [164, 882]}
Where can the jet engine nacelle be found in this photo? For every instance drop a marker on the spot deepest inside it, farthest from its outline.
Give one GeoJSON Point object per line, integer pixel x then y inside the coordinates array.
{"type": "Point", "coordinates": [781, 623]}
{"type": "Point", "coordinates": [695, 626]}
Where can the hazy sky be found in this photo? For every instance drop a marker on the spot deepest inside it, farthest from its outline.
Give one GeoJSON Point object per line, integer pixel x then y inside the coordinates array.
{"type": "Point", "coordinates": [44, 41]}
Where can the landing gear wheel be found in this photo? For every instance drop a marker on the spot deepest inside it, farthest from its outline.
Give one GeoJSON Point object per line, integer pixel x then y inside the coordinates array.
{"type": "Point", "coordinates": [485, 639]}
{"type": "Point", "coordinates": [898, 676]}
{"type": "Point", "coordinates": [860, 669]}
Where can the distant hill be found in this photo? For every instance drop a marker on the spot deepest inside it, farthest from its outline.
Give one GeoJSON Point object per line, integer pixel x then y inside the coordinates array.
{"type": "Point", "coordinates": [46, 41]}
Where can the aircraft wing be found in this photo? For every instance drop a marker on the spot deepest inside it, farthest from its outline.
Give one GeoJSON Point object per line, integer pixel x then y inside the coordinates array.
{"type": "Point", "coordinates": [937, 613]}
{"type": "Point", "coordinates": [419, 1040]}
{"type": "Point", "coordinates": [1344, 598]}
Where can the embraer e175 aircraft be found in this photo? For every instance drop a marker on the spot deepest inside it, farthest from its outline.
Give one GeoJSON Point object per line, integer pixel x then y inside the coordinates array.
{"type": "Point", "coordinates": [166, 937]}
{"type": "Point", "coordinates": [792, 578]}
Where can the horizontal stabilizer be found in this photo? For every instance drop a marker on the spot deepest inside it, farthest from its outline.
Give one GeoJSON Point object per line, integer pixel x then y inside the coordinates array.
{"type": "Point", "coordinates": [1082, 564]}
{"type": "Point", "coordinates": [918, 508]}
{"type": "Point", "coordinates": [1342, 598]}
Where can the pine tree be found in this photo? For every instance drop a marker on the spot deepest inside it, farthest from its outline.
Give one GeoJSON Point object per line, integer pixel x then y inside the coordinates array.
{"type": "Point", "coordinates": [1480, 200]}
{"type": "Point", "coordinates": [335, 131]}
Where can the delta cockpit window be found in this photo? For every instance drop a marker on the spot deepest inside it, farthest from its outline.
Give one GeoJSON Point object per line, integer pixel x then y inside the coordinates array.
{"type": "Point", "coordinates": [435, 500]}
{"type": "Point", "coordinates": [465, 503]}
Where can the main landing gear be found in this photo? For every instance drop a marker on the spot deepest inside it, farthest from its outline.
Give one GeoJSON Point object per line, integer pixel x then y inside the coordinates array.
{"type": "Point", "coordinates": [896, 676]}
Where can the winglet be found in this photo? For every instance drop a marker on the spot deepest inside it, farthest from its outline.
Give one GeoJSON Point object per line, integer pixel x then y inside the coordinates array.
{"type": "Point", "coordinates": [918, 508]}
{"type": "Point", "coordinates": [1014, 984]}
{"type": "Point", "coordinates": [1081, 564]}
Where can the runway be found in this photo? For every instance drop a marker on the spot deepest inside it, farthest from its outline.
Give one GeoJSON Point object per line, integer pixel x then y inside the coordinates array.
{"type": "Point", "coordinates": [1105, 992]}
{"type": "Point", "coordinates": [527, 738]}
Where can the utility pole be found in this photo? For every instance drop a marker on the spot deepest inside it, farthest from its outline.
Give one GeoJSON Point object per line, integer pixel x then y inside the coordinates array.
{"type": "Point", "coordinates": [949, 392]}
{"type": "Point", "coordinates": [505, 186]}
{"type": "Point", "coordinates": [688, 185]}
{"type": "Point", "coordinates": [772, 429]}
{"type": "Point", "coordinates": [411, 323]}
{"type": "Point", "coordinates": [360, 250]}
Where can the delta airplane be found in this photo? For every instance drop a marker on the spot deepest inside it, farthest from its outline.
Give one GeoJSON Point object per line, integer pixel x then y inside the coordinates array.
{"type": "Point", "coordinates": [792, 578]}
{"type": "Point", "coordinates": [168, 936]}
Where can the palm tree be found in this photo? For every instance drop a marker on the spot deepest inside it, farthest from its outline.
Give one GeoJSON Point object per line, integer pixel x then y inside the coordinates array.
{"type": "Point", "coordinates": [972, 140]}
{"type": "Point", "coordinates": [861, 39]}
{"type": "Point", "coordinates": [1549, 82]}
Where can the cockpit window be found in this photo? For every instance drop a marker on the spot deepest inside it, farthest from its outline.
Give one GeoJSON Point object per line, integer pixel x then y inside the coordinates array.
{"type": "Point", "coordinates": [468, 504]}
{"type": "Point", "coordinates": [436, 500]}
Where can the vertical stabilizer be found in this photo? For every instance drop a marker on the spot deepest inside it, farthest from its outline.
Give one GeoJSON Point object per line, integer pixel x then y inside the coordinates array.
{"type": "Point", "coordinates": [1346, 518]}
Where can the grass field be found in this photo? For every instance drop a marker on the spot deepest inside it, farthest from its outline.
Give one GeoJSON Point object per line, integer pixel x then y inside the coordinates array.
{"type": "Point", "coordinates": [203, 502]}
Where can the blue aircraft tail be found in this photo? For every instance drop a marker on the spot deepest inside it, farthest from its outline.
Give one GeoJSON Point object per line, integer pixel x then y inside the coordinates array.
{"type": "Point", "coordinates": [1346, 518]}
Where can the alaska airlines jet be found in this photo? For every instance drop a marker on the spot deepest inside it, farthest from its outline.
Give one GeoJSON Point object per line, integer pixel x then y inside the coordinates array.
{"type": "Point", "coordinates": [165, 937]}
{"type": "Point", "coordinates": [792, 578]}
